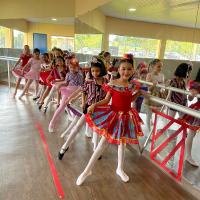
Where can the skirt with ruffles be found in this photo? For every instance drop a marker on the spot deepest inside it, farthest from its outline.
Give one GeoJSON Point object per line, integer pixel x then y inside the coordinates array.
{"type": "Point", "coordinates": [115, 126]}
{"type": "Point", "coordinates": [43, 78]}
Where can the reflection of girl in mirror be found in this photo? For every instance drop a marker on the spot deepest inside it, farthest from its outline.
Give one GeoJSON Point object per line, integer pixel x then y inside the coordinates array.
{"type": "Point", "coordinates": [179, 81]}
{"type": "Point", "coordinates": [194, 87]}
{"type": "Point", "coordinates": [155, 76]}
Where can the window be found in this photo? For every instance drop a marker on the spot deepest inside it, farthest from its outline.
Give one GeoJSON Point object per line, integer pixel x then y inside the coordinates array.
{"type": "Point", "coordinates": [64, 43]}
{"type": "Point", "coordinates": [196, 52]}
{"type": "Point", "coordinates": [4, 36]}
{"type": "Point", "coordinates": [18, 38]}
{"type": "Point", "coordinates": [88, 43]}
{"type": "Point", "coordinates": [139, 47]}
{"type": "Point", "coordinates": [179, 50]}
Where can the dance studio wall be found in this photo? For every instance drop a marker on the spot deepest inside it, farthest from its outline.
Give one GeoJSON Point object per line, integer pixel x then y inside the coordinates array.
{"type": "Point", "coordinates": [50, 30]}
{"type": "Point", "coordinates": [151, 30]}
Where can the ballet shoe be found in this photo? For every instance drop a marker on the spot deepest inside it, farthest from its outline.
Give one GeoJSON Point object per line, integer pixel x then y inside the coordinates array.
{"type": "Point", "coordinates": [40, 106]}
{"type": "Point", "coordinates": [89, 135]}
{"type": "Point", "coordinates": [82, 178]}
{"type": "Point", "coordinates": [51, 130]}
{"type": "Point", "coordinates": [35, 98]}
{"type": "Point", "coordinates": [100, 157]}
{"type": "Point", "coordinates": [124, 177]}
{"type": "Point", "coordinates": [60, 155]}
{"type": "Point", "coordinates": [45, 109]}
{"type": "Point", "coordinates": [192, 162]}
{"type": "Point", "coordinates": [20, 97]}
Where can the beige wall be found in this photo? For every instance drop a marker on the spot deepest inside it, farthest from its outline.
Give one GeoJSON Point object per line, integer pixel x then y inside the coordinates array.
{"type": "Point", "coordinates": [18, 24]}
{"type": "Point", "coordinates": [151, 30]}
{"type": "Point", "coordinates": [95, 19]}
{"type": "Point", "coordinates": [50, 30]}
{"type": "Point", "coordinates": [83, 7]}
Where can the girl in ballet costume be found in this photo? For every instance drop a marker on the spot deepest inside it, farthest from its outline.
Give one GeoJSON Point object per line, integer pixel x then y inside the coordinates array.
{"type": "Point", "coordinates": [24, 58]}
{"type": "Point", "coordinates": [56, 77]}
{"type": "Point", "coordinates": [118, 123]}
{"type": "Point", "coordinates": [73, 81]}
{"type": "Point", "coordinates": [92, 92]}
{"type": "Point", "coordinates": [194, 87]}
{"type": "Point", "coordinates": [44, 73]}
{"type": "Point", "coordinates": [34, 73]}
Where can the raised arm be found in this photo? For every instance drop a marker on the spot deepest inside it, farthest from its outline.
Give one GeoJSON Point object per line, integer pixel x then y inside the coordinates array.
{"type": "Point", "coordinates": [149, 79]}
{"type": "Point", "coordinates": [73, 95]}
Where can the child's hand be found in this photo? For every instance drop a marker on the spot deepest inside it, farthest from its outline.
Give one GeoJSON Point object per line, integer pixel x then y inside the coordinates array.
{"type": "Point", "coordinates": [91, 108]}
{"type": "Point", "coordinates": [194, 92]}
{"type": "Point", "coordinates": [67, 102]}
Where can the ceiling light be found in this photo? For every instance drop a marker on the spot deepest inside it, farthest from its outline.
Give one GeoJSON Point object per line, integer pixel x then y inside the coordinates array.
{"type": "Point", "coordinates": [54, 19]}
{"type": "Point", "coordinates": [132, 9]}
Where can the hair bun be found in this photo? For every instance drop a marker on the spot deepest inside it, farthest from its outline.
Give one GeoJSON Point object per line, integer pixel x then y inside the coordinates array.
{"type": "Point", "coordinates": [128, 56]}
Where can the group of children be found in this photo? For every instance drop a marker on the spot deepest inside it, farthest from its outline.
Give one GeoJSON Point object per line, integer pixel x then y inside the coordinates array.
{"type": "Point", "coordinates": [106, 100]}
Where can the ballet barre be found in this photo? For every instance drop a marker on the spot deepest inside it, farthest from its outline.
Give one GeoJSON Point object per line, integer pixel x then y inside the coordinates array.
{"type": "Point", "coordinates": [174, 106]}
{"type": "Point", "coordinates": [168, 88]}
{"type": "Point", "coordinates": [8, 59]}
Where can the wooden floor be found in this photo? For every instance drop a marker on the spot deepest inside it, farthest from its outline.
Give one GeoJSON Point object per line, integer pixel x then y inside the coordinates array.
{"type": "Point", "coordinates": [25, 173]}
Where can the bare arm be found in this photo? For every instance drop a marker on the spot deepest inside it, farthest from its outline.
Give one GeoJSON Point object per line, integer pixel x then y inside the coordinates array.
{"type": "Point", "coordinates": [149, 79]}
{"type": "Point", "coordinates": [27, 65]}
{"type": "Point", "coordinates": [84, 96]}
{"type": "Point", "coordinates": [106, 100]}
{"type": "Point", "coordinates": [17, 63]}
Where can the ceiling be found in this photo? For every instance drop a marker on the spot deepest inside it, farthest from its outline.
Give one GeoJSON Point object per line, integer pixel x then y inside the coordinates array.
{"type": "Point", "coordinates": [174, 12]}
{"type": "Point", "coordinates": [48, 20]}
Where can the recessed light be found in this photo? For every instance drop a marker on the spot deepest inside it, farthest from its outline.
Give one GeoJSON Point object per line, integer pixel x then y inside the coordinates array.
{"type": "Point", "coordinates": [132, 9]}
{"type": "Point", "coordinates": [54, 19]}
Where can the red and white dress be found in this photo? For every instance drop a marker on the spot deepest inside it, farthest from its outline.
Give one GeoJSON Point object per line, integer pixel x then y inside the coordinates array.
{"type": "Point", "coordinates": [17, 72]}
{"type": "Point", "coordinates": [118, 122]}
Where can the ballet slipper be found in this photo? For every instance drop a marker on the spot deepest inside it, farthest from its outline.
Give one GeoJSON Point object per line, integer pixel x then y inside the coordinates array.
{"type": "Point", "coordinates": [124, 177]}
{"type": "Point", "coordinates": [51, 129]}
{"type": "Point", "coordinates": [82, 178]}
{"type": "Point", "coordinates": [20, 97]}
{"type": "Point", "coordinates": [61, 153]}
{"type": "Point", "coordinates": [88, 134]}
{"type": "Point", "coordinates": [192, 162]}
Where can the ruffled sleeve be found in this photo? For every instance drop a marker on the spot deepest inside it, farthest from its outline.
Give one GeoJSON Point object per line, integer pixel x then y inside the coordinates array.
{"type": "Point", "coordinates": [107, 88]}
{"type": "Point", "coordinates": [136, 84]}
{"type": "Point", "coordinates": [85, 87]}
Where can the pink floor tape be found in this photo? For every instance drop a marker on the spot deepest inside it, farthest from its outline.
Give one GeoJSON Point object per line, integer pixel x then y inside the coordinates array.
{"type": "Point", "coordinates": [51, 164]}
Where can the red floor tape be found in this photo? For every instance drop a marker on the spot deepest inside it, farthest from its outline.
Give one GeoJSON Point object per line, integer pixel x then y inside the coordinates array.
{"type": "Point", "coordinates": [51, 164]}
